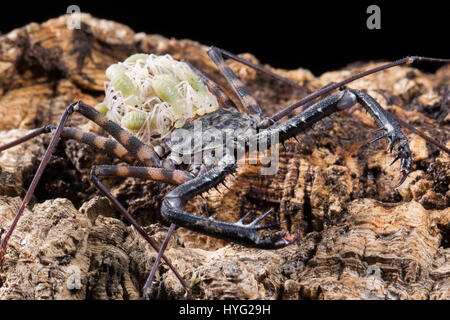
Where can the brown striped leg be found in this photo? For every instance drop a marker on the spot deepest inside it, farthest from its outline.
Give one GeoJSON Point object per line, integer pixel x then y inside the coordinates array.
{"type": "Point", "coordinates": [168, 176]}
{"type": "Point", "coordinates": [142, 152]}
{"type": "Point", "coordinates": [246, 99]}
{"type": "Point", "coordinates": [133, 145]}
{"type": "Point", "coordinates": [149, 281]}
{"type": "Point", "coordinates": [175, 177]}
{"type": "Point", "coordinates": [110, 146]}
{"type": "Point", "coordinates": [224, 100]}
{"type": "Point", "coordinates": [127, 148]}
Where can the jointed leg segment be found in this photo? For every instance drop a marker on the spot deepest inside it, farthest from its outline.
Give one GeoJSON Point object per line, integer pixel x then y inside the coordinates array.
{"type": "Point", "coordinates": [110, 146]}
{"type": "Point", "coordinates": [386, 121]}
{"type": "Point", "coordinates": [139, 229]}
{"type": "Point", "coordinates": [129, 147]}
{"type": "Point", "coordinates": [168, 176]}
{"type": "Point", "coordinates": [340, 101]}
{"type": "Point", "coordinates": [246, 234]}
{"type": "Point", "coordinates": [133, 145]}
{"type": "Point", "coordinates": [31, 135]}
{"type": "Point", "coordinates": [69, 110]}
{"type": "Point", "coordinates": [212, 86]}
{"type": "Point", "coordinates": [328, 89]}
{"type": "Point", "coordinates": [244, 96]}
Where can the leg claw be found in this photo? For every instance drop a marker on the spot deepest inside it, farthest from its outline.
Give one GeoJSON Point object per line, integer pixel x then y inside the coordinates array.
{"type": "Point", "coordinates": [403, 152]}
{"type": "Point", "coordinates": [267, 243]}
{"type": "Point", "coordinates": [405, 173]}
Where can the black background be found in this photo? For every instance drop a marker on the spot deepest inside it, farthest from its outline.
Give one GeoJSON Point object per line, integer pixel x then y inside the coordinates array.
{"type": "Point", "coordinates": [316, 35]}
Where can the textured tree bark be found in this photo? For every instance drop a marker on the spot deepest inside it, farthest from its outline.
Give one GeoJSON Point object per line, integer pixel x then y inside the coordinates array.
{"type": "Point", "coordinates": [359, 238]}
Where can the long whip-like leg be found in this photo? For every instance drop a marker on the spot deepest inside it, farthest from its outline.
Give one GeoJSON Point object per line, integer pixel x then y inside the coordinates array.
{"type": "Point", "coordinates": [31, 135]}
{"type": "Point", "coordinates": [175, 177]}
{"type": "Point", "coordinates": [325, 90]}
{"type": "Point", "coordinates": [239, 88]}
{"type": "Point", "coordinates": [328, 88]}
{"type": "Point", "coordinates": [132, 144]}
{"type": "Point", "coordinates": [37, 176]}
{"type": "Point", "coordinates": [310, 97]}
{"type": "Point", "coordinates": [134, 223]}
{"type": "Point", "coordinates": [308, 100]}
{"type": "Point", "coordinates": [110, 146]}
{"type": "Point", "coordinates": [129, 146]}
{"type": "Point", "coordinates": [232, 56]}
{"type": "Point", "coordinates": [149, 281]}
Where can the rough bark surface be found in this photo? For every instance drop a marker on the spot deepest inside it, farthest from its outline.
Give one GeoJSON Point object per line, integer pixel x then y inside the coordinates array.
{"type": "Point", "coordinates": [359, 239]}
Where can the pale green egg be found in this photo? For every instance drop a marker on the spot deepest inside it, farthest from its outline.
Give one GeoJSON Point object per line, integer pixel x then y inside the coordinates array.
{"type": "Point", "coordinates": [195, 81]}
{"type": "Point", "coordinates": [114, 70]}
{"type": "Point", "coordinates": [102, 108]}
{"type": "Point", "coordinates": [123, 83]}
{"type": "Point", "coordinates": [135, 57]}
{"type": "Point", "coordinates": [164, 86]}
{"type": "Point", "coordinates": [132, 100]}
{"type": "Point", "coordinates": [119, 80]}
{"type": "Point", "coordinates": [133, 120]}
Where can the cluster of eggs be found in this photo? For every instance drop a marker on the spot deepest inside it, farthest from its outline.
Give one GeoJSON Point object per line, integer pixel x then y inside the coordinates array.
{"type": "Point", "coordinates": [150, 95]}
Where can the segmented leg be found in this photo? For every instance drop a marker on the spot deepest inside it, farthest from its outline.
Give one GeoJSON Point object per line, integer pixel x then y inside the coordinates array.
{"type": "Point", "coordinates": [132, 145]}
{"type": "Point", "coordinates": [391, 131]}
{"type": "Point", "coordinates": [229, 55]}
{"type": "Point", "coordinates": [31, 135]}
{"type": "Point", "coordinates": [338, 102]}
{"type": "Point", "coordinates": [174, 202]}
{"type": "Point", "coordinates": [245, 234]}
{"type": "Point", "coordinates": [169, 176]}
{"type": "Point", "coordinates": [245, 97]}
{"type": "Point", "coordinates": [132, 221]}
{"type": "Point", "coordinates": [69, 110]}
{"type": "Point", "coordinates": [224, 100]}
{"type": "Point", "coordinates": [175, 177]}
{"type": "Point", "coordinates": [110, 146]}
{"type": "Point", "coordinates": [149, 281]}
{"type": "Point", "coordinates": [421, 134]}
{"type": "Point", "coordinates": [326, 90]}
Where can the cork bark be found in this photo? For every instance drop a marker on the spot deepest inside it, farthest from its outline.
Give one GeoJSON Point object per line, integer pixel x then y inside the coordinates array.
{"type": "Point", "coordinates": [359, 239]}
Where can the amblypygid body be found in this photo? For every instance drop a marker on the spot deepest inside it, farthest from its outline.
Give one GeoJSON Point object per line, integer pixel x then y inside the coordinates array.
{"type": "Point", "coordinates": [138, 125]}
